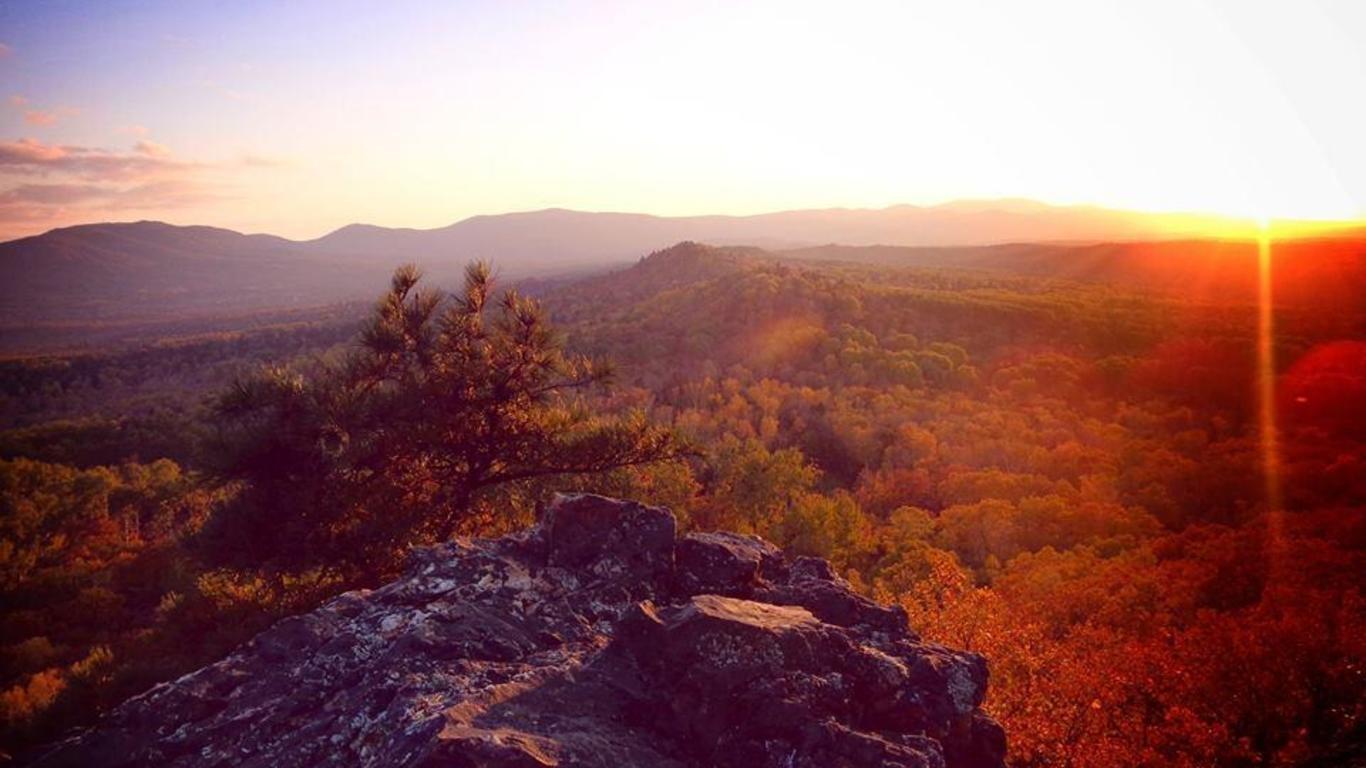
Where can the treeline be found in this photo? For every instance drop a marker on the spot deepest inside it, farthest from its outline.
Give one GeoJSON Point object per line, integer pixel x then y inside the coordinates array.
{"type": "Point", "coordinates": [144, 402]}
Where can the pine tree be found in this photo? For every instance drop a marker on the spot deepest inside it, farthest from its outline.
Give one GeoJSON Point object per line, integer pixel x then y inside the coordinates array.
{"type": "Point", "coordinates": [443, 398]}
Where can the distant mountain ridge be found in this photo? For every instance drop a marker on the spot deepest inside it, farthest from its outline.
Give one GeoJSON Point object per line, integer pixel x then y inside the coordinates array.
{"type": "Point", "coordinates": [151, 269]}
{"type": "Point", "coordinates": [119, 272]}
{"type": "Point", "coordinates": [574, 236]}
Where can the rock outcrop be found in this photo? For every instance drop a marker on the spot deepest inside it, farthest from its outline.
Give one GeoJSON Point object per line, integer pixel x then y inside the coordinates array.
{"type": "Point", "coordinates": [597, 638]}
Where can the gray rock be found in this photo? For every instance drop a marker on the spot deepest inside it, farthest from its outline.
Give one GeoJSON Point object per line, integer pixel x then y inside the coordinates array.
{"type": "Point", "coordinates": [596, 639]}
{"type": "Point", "coordinates": [724, 563]}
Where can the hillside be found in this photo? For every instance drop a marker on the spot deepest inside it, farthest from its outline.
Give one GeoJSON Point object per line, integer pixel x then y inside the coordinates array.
{"type": "Point", "coordinates": [743, 305]}
{"type": "Point", "coordinates": [154, 271]}
{"type": "Point", "coordinates": [1321, 272]}
{"type": "Point", "coordinates": [679, 266]}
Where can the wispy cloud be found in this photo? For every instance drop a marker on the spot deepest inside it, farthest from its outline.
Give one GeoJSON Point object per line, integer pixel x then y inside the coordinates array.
{"type": "Point", "coordinates": [56, 204]}
{"type": "Point", "coordinates": [5, 51]}
{"type": "Point", "coordinates": [147, 160]}
{"type": "Point", "coordinates": [47, 184]}
{"type": "Point", "coordinates": [51, 194]}
{"type": "Point", "coordinates": [60, 183]}
{"type": "Point", "coordinates": [36, 116]}
{"type": "Point", "coordinates": [151, 149]}
{"type": "Point", "coordinates": [29, 153]}
{"type": "Point", "coordinates": [48, 116]}
{"type": "Point", "coordinates": [171, 193]}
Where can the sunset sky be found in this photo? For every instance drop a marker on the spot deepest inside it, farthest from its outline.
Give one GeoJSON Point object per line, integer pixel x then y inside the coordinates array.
{"type": "Point", "coordinates": [299, 117]}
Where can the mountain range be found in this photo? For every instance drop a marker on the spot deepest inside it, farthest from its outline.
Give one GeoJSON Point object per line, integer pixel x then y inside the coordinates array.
{"type": "Point", "coordinates": [113, 273]}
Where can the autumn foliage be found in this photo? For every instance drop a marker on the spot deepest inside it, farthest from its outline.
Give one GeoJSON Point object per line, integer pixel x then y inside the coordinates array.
{"type": "Point", "coordinates": [1065, 477]}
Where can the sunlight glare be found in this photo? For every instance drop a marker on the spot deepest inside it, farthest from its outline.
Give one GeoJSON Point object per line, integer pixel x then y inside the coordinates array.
{"type": "Point", "coordinates": [1266, 397]}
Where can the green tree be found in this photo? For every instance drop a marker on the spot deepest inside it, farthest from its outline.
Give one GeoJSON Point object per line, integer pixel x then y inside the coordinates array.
{"type": "Point", "coordinates": [749, 487]}
{"type": "Point", "coordinates": [442, 400]}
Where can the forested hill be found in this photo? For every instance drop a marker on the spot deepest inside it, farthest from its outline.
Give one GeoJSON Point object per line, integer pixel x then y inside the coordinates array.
{"type": "Point", "coordinates": [1320, 272]}
{"type": "Point", "coordinates": [758, 308]}
{"type": "Point", "coordinates": [153, 271]}
{"type": "Point", "coordinates": [680, 266]}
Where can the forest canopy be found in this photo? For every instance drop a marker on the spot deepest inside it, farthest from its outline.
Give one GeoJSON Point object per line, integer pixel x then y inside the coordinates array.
{"type": "Point", "coordinates": [1063, 476]}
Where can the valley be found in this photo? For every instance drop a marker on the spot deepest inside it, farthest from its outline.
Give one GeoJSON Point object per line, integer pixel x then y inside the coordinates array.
{"type": "Point", "coordinates": [1057, 471]}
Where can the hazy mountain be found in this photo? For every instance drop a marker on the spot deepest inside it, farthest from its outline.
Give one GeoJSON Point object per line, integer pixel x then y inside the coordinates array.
{"type": "Point", "coordinates": [536, 240]}
{"type": "Point", "coordinates": [149, 270]}
{"type": "Point", "coordinates": [558, 237]}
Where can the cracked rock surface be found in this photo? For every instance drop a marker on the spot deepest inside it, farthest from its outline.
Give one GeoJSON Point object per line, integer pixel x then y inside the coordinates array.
{"type": "Point", "coordinates": [597, 638]}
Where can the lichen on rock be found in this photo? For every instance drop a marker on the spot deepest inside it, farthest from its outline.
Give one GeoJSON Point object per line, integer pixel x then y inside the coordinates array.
{"type": "Point", "coordinates": [597, 638]}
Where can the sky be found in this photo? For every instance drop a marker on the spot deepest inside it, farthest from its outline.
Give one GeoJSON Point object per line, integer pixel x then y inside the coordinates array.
{"type": "Point", "coordinates": [300, 117]}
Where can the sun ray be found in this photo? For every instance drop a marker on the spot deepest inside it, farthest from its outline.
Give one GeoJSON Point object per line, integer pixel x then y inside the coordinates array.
{"type": "Point", "coordinates": [1266, 398]}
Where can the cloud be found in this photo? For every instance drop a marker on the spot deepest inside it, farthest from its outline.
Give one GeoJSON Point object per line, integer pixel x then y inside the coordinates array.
{"type": "Point", "coordinates": [45, 184]}
{"type": "Point", "coordinates": [151, 149]}
{"type": "Point", "coordinates": [28, 206]}
{"type": "Point", "coordinates": [52, 194]}
{"type": "Point", "coordinates": [40, 117]}
{"type": "Point", "coordinates": [29, 153]}
{"type": "Point", "coordinates": [161, 194]}
{"type": "Point", "coordinates": [166, 194]}
{"type": "Point", "coordinates": [148, 160]}
{"type": "Point", "coordinates": [36, 116]}
{"type": "Point", "coordinates": [5, 51]}
{"type": "Point", "coordinates": [56, 184]}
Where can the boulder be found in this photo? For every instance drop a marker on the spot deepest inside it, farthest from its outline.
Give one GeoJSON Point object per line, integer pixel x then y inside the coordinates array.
{"type": "Point", "coordinates": [598, 638]}
{"type": "Point", "coordinates": [610, 541]}
{"type": "Point", "coordinates": [724, 563]}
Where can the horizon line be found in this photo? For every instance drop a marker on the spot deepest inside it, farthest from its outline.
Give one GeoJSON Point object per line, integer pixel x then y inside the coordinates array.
{"type": "Point", "coordinates": [1310, 227]}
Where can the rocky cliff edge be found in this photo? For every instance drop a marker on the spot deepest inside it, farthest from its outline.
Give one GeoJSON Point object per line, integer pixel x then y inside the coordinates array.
{"type": "Point", "coordinates": [599, 637]}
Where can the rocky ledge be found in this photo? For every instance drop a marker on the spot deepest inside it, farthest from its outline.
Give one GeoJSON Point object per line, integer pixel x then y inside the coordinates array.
{"type": "Point", "coordinates": [597, 638]}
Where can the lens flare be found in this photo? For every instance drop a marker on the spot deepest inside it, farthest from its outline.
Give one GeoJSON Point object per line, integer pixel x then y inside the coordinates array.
{"type": "Point", "coordinates": [1266, 399]}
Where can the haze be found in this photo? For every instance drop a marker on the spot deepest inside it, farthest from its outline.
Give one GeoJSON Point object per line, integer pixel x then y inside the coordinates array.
{"type": "Point", "coordinates": [418, 114]}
